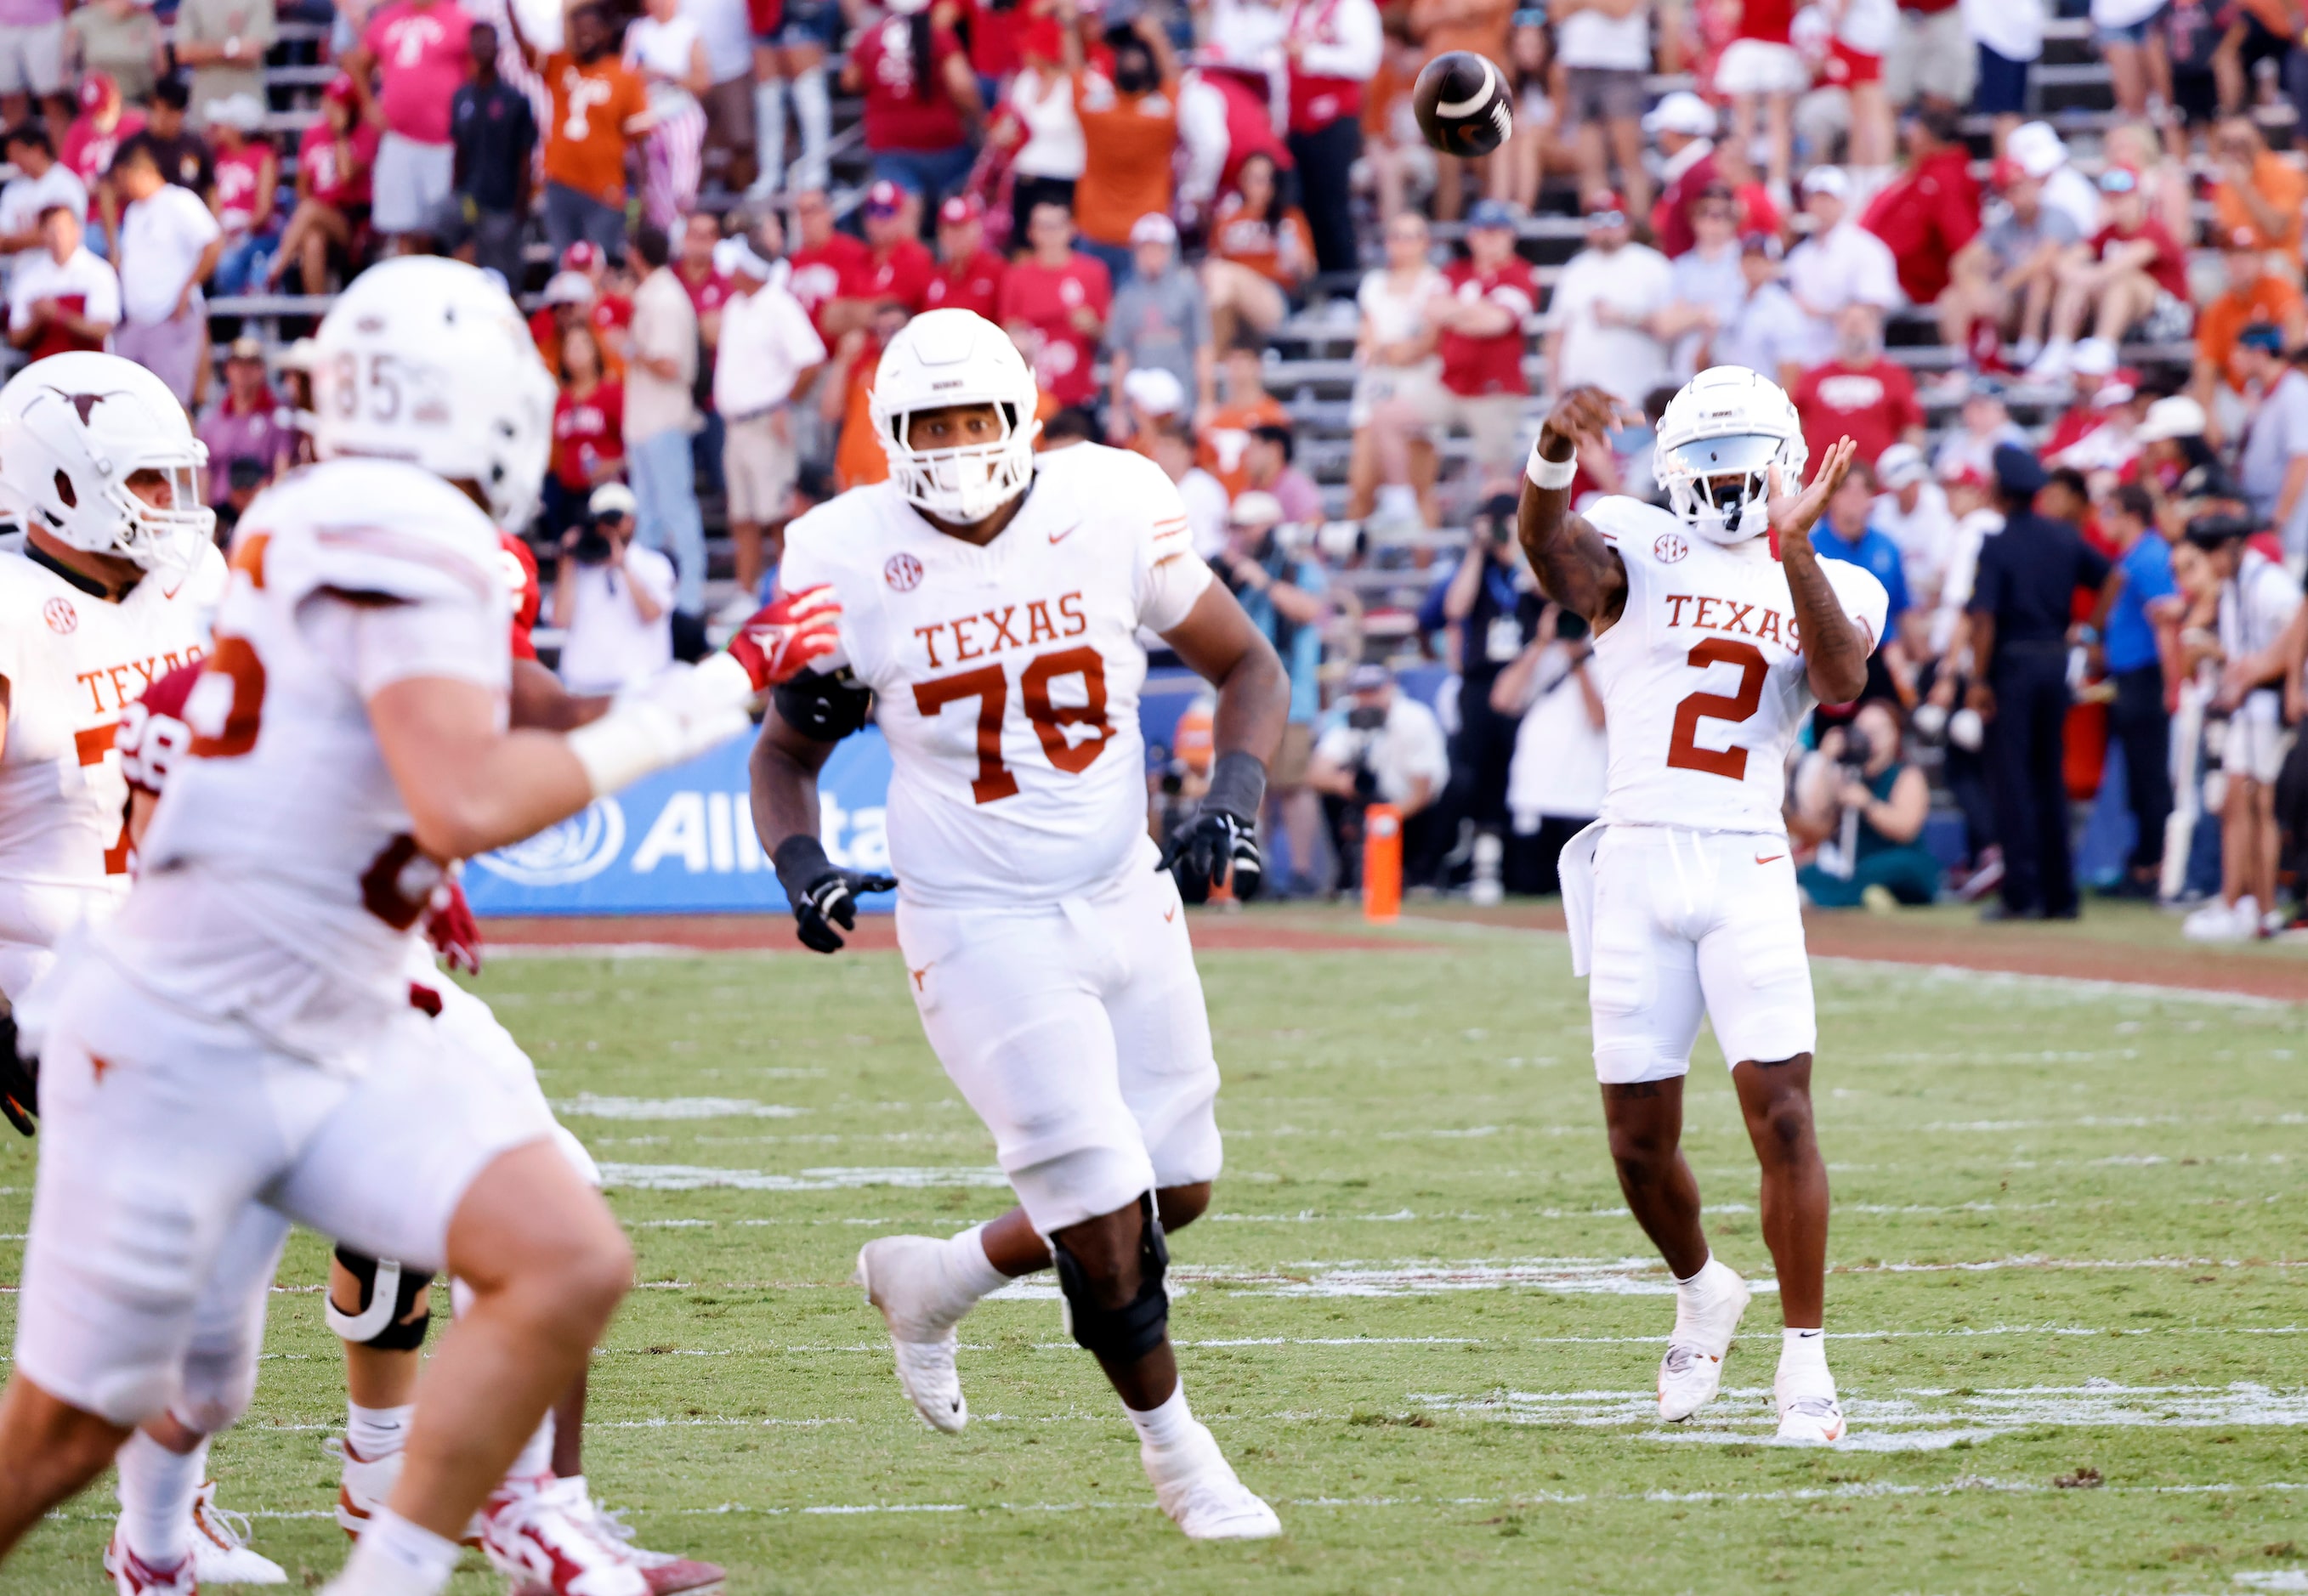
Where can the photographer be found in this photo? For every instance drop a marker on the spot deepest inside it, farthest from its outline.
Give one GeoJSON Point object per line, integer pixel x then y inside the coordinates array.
{"type": "Point", "coordinates": [1388, 748]}
{"type": "Point", "coordinates": [611, 600]}
{"type": "Point", "coordinates": [1493, 604]}
{"type": "Point", "coordinates": [1554, 785]}
{"type": "Point", "coordinates": [1865, 808]}
{"type": "Point", "coordinates": [1284, 593]}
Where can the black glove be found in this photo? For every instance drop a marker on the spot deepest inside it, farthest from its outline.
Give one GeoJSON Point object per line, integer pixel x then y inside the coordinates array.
{"type": "Point", "coordinates": [1220, 844]}
{"type": "Point", "coordinates": [823, 895]}
{"type": "Point", "coordinates": [20, 1080]}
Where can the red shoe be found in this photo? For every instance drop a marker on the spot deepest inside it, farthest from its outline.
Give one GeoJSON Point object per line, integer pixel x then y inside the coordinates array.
{"type": "Point", "coordinates": [534, 1532]}
{"type": "Point", "coordinates": [131, 1576]}
{"type": "Point", "coordinates": [668, 1575]}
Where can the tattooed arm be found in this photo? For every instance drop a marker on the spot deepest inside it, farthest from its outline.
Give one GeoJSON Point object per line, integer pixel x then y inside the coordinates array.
{"type": "Point", "coordinates": [1574, 566]}
{"type": "Point", "coordinates": [1835, 646]}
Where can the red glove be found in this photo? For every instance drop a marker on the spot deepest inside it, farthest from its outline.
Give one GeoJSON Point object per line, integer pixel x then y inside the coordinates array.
{"type": "Point", "coordinates": [450, 927]}
{"type": "Point", "coordinates": [778, 639]}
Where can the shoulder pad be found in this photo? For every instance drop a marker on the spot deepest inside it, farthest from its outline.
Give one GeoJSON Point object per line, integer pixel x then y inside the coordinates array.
{"type": "Point", "coordinates": [826, 707]}
{"type": "Point", "coordinates": [373, 526]}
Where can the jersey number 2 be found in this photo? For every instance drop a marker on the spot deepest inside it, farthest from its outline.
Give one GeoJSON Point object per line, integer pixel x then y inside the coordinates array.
{"type": "Point", "coordinates": [989, 684]}
{"type": "Point", "coordinates": [1682, 749]}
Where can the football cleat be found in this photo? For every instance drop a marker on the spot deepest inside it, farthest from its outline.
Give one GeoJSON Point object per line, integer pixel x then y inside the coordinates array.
{"type": "Point", "coordinates": [221, 1554]}
{"type": "Point", "coordinates": [667, 1575]}
{"type": "Point", "coordinates": [1812, 1420]}
{"type": "Point", "coordinates": [905, 1277]}
{"type": "Point", "coordinates": [132, 1577]}
{"type": "Point", "coordinates": [1706, 1315]}
{"type": "Point", "coordinates": [1198, 1489]}
{"type": "Point", "coordinates": [365, 1483]}
{"type": "Point", "coordinates": [535, 1532]}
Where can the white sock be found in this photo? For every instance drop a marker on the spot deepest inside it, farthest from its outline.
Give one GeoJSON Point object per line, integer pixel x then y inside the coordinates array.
{"type": "Point", "coordinates": [1685, 1283]}
{"type": "Point", "coordinates": [394, 1557]}
{"type": "Point", "coordinates": [536, 1455]}
{"type": "Point", "coordinates": [967, 1268]}
{"type": "Point", "coordinates": [377, 1433]}
{"type": "Point", "coordinates": [770, 133]}
{"type": "Point", "coordinates": [1803, 1358]}
{"type": "Point", "coordinates": [814, 111]}
{"type": "Point", "coordinates": [156, 1491]}
{"type": "Point", "coordinates": [1168, 1427]}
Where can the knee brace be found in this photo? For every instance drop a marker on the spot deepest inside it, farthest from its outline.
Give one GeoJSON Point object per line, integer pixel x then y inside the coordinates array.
{"type": "Point", "coordinates": [1127, 1333]}
{"type": "Point", "coordinates": [387, 1293]}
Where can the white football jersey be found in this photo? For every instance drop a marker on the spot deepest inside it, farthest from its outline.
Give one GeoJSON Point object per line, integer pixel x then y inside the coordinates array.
{"type": "Point", "coordinates": [1702, 675]}
{"type": "Point", "coordinates": [1006, 678]}
{"type": "Point", "coordinates": [279, 881]}
{"type": "Point", "coordinates": [74, 662]}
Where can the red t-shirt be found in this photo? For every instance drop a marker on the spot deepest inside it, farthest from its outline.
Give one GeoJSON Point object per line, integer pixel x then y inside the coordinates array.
{"type": "Point", "coordinates": [973, 283]}
{"type": "Point", "coordinates": [420, 59]}
{"type": "Point", "coordinates": [994, 51]}
{"type": "Point", "coordinates": [1871, 405]}
{"type": "Point", "coordinates": [1925, 217]}
{"type": "Point", "coordinates": [1671, 216]}
{"type": "Point", "coordinates": [902, 276]}
{"type": "Point", "coordinates": [2170, 268]}
{"type": "Point", "coordinates": [821, 275]}
{"type": "Point", "coordinates": [709, 293]}
{"type": "Point", "coordinates": [1473, 367]}
{"type": "Point", "coordinates": [898, 115]}
{"type": "Point", "coordinates": [1767, 19]}
{"type": "Point", "coordinates": [89, 153]}
{"type": "Point", "coordinates": [528, 596]}
{"type": "Point", "coordinates": [1044, 299]}
{"type": "Point", "coordinates": [588, 433]}
{"type": "Point", "coordinates": [316, 155]}
{"type": "Point", "coordinates": [238, 174]}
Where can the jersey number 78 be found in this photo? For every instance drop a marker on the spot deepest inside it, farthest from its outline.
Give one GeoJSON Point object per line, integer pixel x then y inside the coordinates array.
{"type": "Point", "coordinates": [989, 684]}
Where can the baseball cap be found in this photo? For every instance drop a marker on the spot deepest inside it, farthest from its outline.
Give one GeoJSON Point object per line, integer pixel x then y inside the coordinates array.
{"type": "Point", "coordinates": [2017, 470]}
{"type": "Point", "coordinates": [1490, 213]}
{"type": "Point", "coordinates": [1827, 180]}
{"type": "Point", "coordinates": [1900, 465]}
{"type": "Point", "coordinates": [2264, 336]}
{"type": "Point", "coordinates": [2210, 531]}
{"type": "Point", "coordinates": [1760, 243]}
{"type": "Point", "coordinates": [613, 498]}
{"type": "Point", "coordinates": [98, 89]}
{"type": "Point", "coordinates": [2123, 385]}
{"type": "Point", "coordinates": [1368, 677]}
{"type": "Point", "coordinates": [2177, 416]}
{"type": "Point", "coordinates": [567, 288]}
{"type": "Point", "coordinates": [340, 89]}
{"type": "Point", "coordinates": [2037, 148]}
{"type": "Point", "coordinates": [735, 257]}
{"type": "Point", "coordinates": [1154, 227]}
{"type": "Point", "coordinates": [1256, 508]}
{"type": "Point", "coordinates": [961, 210]}
{"type": "Point", "coordinates": [1155, 390]}
{"type": "Point", "coordinates": [245, 349]}
{"type": "Point", "coordinates": [581, 256]}
{"type": "Point", "coordinates": [1682, 112]}
{"type": "Point", "coordinates": [885, 198]}
{"type": "Point", "coordinates": [2005, 172]}
{"type": "Point", "coordinates": [2120, 180]}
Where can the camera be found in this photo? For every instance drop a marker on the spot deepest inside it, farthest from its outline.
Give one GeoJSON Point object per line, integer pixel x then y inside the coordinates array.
{"type": "Point", "coordinates": [1855, 752]}
{"type": "Point", "coordinates": [592, 546]}
{"type": "Point", "coordinates": [1366, 718]}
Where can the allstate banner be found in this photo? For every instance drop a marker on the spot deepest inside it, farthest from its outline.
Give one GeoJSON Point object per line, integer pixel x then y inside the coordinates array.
{"type": "Point", "coordinates": [682, 842]}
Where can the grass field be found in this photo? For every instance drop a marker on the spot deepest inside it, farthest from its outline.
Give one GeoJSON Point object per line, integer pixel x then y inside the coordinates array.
{"type": "Point", "coordinates": [2068, 1239]}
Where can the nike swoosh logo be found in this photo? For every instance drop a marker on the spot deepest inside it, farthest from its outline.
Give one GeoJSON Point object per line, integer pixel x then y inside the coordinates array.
{"type": "Point", "coordinates": [1068, 532]}
{"type": "Point", "coordinates": [1769, 858]}
{"type": "Point", "coordinates": [1171, 913]}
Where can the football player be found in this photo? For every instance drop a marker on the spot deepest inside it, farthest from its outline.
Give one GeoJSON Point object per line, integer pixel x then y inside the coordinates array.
{"type": "Point", "coordinates": [238, 1048]}
{"type": "Point", "coordinates": [1717, 628]}
{"type": "Point", "coordinates": [992, 604]}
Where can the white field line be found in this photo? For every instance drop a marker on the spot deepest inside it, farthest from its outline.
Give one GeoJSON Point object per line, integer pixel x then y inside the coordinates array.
{"type": "Point", "coordinates": [587, 1106]}
{"type": "Point", "coordinates": [688, 1177]}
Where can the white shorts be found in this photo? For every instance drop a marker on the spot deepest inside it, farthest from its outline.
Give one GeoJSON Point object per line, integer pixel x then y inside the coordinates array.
{"type": "Point", "coordinates": [36, 918]}
{"type": "Point", "coordinates": [162, 1135]}
{"type": "Point", "coordinates": [1686, 923]}
{"type": "Point", "coordinates": [1077, 1032]}
{"type": "Point", "coordinates": [2256, 742]}
{"type": "Point", "coordinates": [32, 58]}
{"type": "Point", "coordinates": [409, 183]}
{"type": "Point", "coordinates": [1758, 66]}
{"type": "Point", "coordinates": [759, 467]}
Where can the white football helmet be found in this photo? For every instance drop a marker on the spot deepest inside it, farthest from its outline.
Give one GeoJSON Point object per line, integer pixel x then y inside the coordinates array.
{"type": "Point", "coordinates": [425, 360]}
{"type": "Point", "coordinates": [1721, 434]}
{"type": "Point", "coordinates": [945, 357]}
{"type": "Point", "coordinates": [73, 428]}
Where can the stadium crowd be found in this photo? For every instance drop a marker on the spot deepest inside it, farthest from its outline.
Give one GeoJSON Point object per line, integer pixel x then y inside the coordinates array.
{"type": "Point", "coordinates": [2045, 269]}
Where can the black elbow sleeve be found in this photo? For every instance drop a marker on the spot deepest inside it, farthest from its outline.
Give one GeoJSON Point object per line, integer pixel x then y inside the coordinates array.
{"type": "Point", "coordinates": [826, 707]}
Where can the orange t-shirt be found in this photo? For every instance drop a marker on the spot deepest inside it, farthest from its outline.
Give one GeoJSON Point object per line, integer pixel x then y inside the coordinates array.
{"type": "Point", "coordinates": [857, 458]}
{"type": "Point", "coordinates": [1481, 26]}
{"type": "Point", "coordinates": [2219, 324]}
{"type": "Point", "coordinates": [2282, 185]}
{"type": "Point", "coordinates": [1230, 427]}
{"type": "Point", "coordinates": [585, 137]}
{"type": "Point", "coordinates": [1244, 239]}
{"type": "Point", "coordinates": [1129, 143]}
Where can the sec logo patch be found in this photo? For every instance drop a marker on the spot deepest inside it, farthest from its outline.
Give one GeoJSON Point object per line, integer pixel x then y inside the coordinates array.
{"type": "Point", "coordinates": [903, 572]}
{"type": "Point", "coordinates": [1669, 548]}
{"type": "Point", "coordinates": [62, 618]}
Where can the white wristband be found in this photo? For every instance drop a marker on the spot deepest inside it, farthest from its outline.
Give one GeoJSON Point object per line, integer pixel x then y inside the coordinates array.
{"type": "Point", "coordinates": [1545, 473]}
{"type": "Point", "coordinates": [672, 720]}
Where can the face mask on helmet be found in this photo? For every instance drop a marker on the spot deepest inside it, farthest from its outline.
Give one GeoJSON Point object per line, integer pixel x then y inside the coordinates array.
{"type": "Point", "coordinates": [1718, 487]}
{"type": "Point", "coordinates": [965, 484]}
{"type": "Point", "coordinates": [112, 482]}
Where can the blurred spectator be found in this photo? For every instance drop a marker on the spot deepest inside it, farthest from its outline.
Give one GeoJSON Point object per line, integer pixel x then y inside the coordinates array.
{"type": "Point", "coordinates": [1840, 263]}
{"type": "Point", "coordinates": [1708, 285]}
{"type": "Point", "coordinates": [1048, 159]}
{"type": "Point", "coordinates": [2041, 153]}
{"type": "Point", "coordinates": [2253, 295]}
{"type": "Point", "coordinates": [1284, 595]}
{"type": "Point", "coordinates": [1129, 134]}
{"type": "Point", "coordinates": [667, 50]}
{"type": "Point", "coordinates": [1160, 320]}
{"type": "Point", "coordinates": [2132, 283]}
{"type": "Point", "coordinates": [589, 419]}
{"type": "Point", "coordinates": [41, 180]}
{"type": "Point", "coordinates": [1858, 34]}
{"type": "Point", "coordinates": [1492, 607]}
{"type": "Point", "coordinates": [1554, 784]}
{"type": "Point", "coordinates": [726, 28]}
{"type": "Point", "coordinates": [611, 600]}
{"type": "Point", "coordinates": [61, 297]}
{"type": "Point", "coordinates": [95, 136]}
{"type": "Point", "coordinates": [1860, 393]}
{"type": "Point", "coordinates": [2125, 33]}
{"type": "Point", "coordinates": [2137, 718]}
{"type": "Point", "coordinates": [768, 354]}
{"type": "Point", "coordinates": [1441, 26]}
{"type": "Point", "coordinates": [1480, 317]}
{"type": "Point", "coordinates": [895, 271]}
{"type": "Point", "coordinates": [1932, 211]}
{"type": "Point", "coordinates": [123, 39]}
{"type": "Point", "coordinates": [2168, 182]}
{"type": "Point", "coordinates": [660, 372]}
{"type": "Point", "coordinates": [2258, 190]}
{"type": "Point", "coordinates": [247, 426]}
{"type": "Point", "coordinates": [599, 107]}
{"type": "Point", "coordinates": [1386, 748]}
{"type": "Point", "coordinates": [790, 41]}
{"type": "Point", "coordinates": [168, 245]}
{"type": "Point", "coordinates": [2002, 282]}
{"type": "Point", "coordinates": [1396, 374]}
{"type": "Point", "coordinates": [1769, 332]}
{"type": "Point", "coordinates": [1984, 426]}
{"type": "Point", "coordinates": [418, 50]}
{"type": "Point", "coordinates": [245, 194]}
{"type": "Point", "coordinates": [494, 129]}
{"type": "Point", "coordinates": [1847, 533]}
{"type": "Point", "coordinates": [1912, 511]}
{"type": "Point", "coordinates": [2009, 40]}
{"type": "Point", "coordinates": [1685, 126]}
{"type": "Point", "coordinates": [223, 43]}
{"type": "Point", "coordinates": [922, 104]}
{"type": "Point", "coordinates": [1605, 47]}
{"type": "Point", "coordinates": [1246, 406]}
{"type": "Point", "coordinates": [1518, 168]}
{"type": "Point", "coordinates": [1402, 166]}
{"type": "Point", "coordinates": [1260, 251]}
{"type": "Point", "coordinates": [827, 260]}
{"type": "Point", "coordinates": [1332, 48]}
{"type": "Point", "coordinates": [1865, 807]}
{"type": "Point", "coordinates": [31, 59]}
{"type": "Point", "coordinates": [1203, 496]}
{"type": "Point", "coordinates": [1151, 399]}
{"type": "Point", "coordinates": [2205, 82]}
{"type": "Point", "coordinates": [699, 268]}
{"type": "Point", "coordinates": [1267, 468]}
{"type": "Point", "coordinates": [2272, 464]}
{"type": "Point", "coordinates": [1053, 302]}
{"type": "Point", "coordinates": [334, 161]}
{"type": "Point", "coordinates": [1603, 307]}
{"type": "Point", "coordinates": [181, 154]}
{"type": "Point", "coordinates": [969, 275]}
{"type": "Point", "coordinates": [1760, 66]}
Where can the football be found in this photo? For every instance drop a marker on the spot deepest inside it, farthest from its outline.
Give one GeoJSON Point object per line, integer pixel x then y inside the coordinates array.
{"type": "Point", "coordinates": [1461, 100]}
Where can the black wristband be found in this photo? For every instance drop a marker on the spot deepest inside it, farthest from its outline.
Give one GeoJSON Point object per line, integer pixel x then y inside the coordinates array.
{"type": "Point", "coordinates": [1237, 786]}
{"type": "Point", "coordinates": [800, 860]}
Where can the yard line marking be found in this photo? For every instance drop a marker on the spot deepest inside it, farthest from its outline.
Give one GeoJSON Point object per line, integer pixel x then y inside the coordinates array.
{"type": "Point", "coordinates": [690, 1177]}
{"type": "Point", "coordinates": [585, 1106]}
